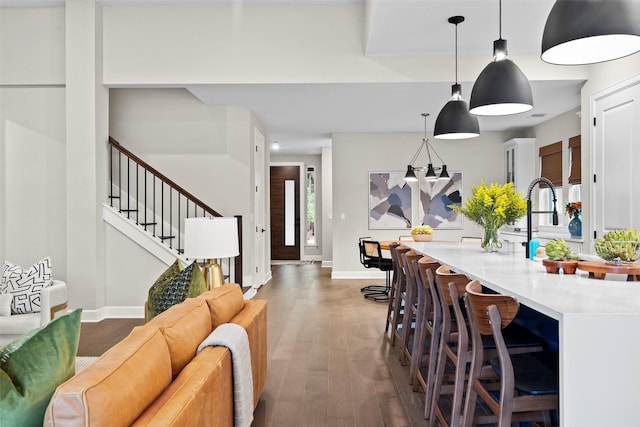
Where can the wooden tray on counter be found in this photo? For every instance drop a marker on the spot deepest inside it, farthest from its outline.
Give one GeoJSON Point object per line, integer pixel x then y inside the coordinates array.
{"type": "Point", "coordinates": [554, 267]}
{"type": "Point", "coordinates": [599, 269]}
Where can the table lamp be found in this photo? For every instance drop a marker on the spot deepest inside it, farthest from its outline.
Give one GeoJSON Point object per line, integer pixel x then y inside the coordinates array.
{"type": "Point", "coordinates": [210, 239]}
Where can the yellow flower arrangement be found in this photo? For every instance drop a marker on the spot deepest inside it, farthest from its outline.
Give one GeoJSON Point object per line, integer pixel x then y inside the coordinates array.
{"type": "Point", "coordinates": [492, 207]}
{"type": "Point", "coordinates": [421, 229]}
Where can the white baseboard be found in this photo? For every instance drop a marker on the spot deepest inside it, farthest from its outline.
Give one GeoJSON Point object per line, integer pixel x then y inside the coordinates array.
{"type": "Point", "coordinates": [327, 264]}
{"type": "Point", "coordinates": [113, 312]}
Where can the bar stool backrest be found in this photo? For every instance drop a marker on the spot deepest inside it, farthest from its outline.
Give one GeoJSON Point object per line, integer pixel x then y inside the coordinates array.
{"type": "Point", "coordinates": [479, 303]}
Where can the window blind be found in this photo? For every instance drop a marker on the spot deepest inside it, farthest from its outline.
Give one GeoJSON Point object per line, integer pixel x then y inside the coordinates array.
{"type": "Point", "coordinates": [575, 176]}
{"type": "Point", "coordinates": [551, 161]}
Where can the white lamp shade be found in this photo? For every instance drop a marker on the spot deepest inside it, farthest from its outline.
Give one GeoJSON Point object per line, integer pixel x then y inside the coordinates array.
{"type": "Point", "coordinates": [209, 238]}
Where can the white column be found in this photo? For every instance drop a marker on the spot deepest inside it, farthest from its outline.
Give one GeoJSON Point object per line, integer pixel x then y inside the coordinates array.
{"type": "Point", "coordinates": [87, 130]}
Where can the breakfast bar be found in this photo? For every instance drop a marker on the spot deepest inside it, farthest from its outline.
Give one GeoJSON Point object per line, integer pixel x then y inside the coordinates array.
{"type": "Point", "coordinates": [597, 324]}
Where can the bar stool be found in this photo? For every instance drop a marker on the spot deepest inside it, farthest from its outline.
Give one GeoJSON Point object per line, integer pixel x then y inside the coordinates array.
{"type": "Point", "coordinates": [454, 345]}
{"type": "Point", "coordinates": [410, 301]}
{"type": "Point", "coordinates": [397, 311]}
{"type": "Point", "coordinates": [392, 291]}
{"type": "Point", "coordinates": [424, 323]}
{"type": "Point", "coordinates": [528, 382]}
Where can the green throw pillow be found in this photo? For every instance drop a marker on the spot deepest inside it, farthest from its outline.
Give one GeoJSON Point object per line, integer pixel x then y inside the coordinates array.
{"type": "Point", "coordinates": [33, 366]}
{"type": "Point", "coordinates": [188, 283]}
{"type": "Point", "coordinates": [159, 286]}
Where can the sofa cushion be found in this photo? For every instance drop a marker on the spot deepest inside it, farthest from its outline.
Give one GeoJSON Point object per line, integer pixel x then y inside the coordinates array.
{"type": "Point", "coordinates": [184, 326]}
{"type": "Point", "coordinates": [32, 366]}
{"type": "Point", "coordinates": [25, 284]}
{"type": "Point", "coordinates": [253, 318]}
{"type": "Point", "coordinates": [202, 395]}
{"type": "Point", "coordinates": [118, 386]}
{"type": "Point", "coordinates": [186, 284]}
{"type": "Point", "coordinates": [5, 304]}
{"type": "Point", "coordinates": [224, 303]}
{"type": "Point", "coordinates": [19, 324]}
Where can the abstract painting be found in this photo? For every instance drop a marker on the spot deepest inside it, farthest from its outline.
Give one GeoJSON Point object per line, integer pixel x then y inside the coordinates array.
{"type": "Point", "coordinates": [389, 201]}
{"type": "Point", "coordinates": [435, 198]}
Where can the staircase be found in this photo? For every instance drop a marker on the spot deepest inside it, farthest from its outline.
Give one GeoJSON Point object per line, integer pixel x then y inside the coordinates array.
{"type": "Point", "coordinates": [155, 208]}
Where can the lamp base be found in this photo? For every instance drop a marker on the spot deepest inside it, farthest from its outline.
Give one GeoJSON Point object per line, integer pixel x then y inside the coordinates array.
{"type": "Point", "coordinates": [213, 276]}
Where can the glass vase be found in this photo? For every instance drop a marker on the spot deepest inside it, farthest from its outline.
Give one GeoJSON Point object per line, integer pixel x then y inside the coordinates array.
{"type": "Point", "coordinates": [575, 227]}
{"type": "Point", "coordinates": [490, 241]}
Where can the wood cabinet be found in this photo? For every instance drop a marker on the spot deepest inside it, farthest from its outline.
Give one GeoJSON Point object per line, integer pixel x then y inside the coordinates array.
{"type": "Point", "coordinates": [520, 159]}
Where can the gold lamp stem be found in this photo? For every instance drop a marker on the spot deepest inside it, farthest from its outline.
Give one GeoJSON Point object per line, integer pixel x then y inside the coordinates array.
{"type": "Point", "coordinates": [213, 274]}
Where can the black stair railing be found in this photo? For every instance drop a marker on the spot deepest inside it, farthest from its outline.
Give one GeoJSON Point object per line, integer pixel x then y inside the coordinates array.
{"type": "Point", "coordinates": [159, 205]}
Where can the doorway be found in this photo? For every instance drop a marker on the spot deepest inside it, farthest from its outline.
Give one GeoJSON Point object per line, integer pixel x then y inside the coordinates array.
{"type": "Point", "coordinates": [285, 212]}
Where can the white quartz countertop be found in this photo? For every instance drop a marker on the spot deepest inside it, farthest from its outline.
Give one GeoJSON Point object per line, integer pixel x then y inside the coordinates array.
{"type": "Point", "coordinates": [552, 294]}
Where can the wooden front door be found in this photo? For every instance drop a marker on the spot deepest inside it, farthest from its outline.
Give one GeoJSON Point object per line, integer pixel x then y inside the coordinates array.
{"type": "Point", "coordinates": [285, 212]}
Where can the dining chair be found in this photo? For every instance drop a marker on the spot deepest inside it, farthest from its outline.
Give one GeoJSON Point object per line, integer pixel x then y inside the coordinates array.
{"type": "Point", "coordinates": [371, 257]}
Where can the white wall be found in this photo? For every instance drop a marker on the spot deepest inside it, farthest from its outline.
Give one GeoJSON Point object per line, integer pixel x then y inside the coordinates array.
{"type": "Point", "coordinates": [32, 176]}
{"type": "Point", "coordinates": [32, 43]}
{"type": "Point", "coordinates": [32, 137]}
{"type": "Point", "coordinates": [355, 155]}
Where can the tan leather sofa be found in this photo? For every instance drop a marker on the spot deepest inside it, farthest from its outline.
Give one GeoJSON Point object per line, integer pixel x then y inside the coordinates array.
{"type": "Point", "coordinates": [154, 378]}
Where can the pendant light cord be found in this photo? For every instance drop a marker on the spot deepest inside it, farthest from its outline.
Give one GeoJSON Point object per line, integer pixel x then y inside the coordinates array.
{"type": "Point", "coordinates": [425, 140]}
{"type": "Point", "coordinates": [500, 19]}
{"type": "Point", "coordinates": [456, 53]}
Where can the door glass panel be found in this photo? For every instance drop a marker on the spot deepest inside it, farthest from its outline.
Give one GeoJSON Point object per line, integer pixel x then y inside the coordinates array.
{"type": "Point", "coordinates": [311, 206]}
{"type": "Point", "coordinates": [289, 212]}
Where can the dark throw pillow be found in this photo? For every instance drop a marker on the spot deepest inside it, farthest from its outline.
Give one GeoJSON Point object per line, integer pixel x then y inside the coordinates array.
{"type": "Point", "coordinates": [188, 283]}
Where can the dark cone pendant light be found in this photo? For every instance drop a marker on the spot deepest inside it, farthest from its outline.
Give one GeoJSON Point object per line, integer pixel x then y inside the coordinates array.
{"type": "Point", "coordinates": [501, 88]}
{"type": "Point", "coordinates": [587, 32]}
{"type": "Point", "coordinates": [454, 120]}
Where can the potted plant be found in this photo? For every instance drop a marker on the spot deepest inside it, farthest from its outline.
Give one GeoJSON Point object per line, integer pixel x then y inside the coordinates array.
{"type": "Point", "coordinates": [560, 256]}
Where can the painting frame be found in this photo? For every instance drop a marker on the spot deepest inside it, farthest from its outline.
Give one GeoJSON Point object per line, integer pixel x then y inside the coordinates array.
{"type": "Point", "coordinates": [434, 198]}
{"type": "Point", "coordinates": [390, 201]}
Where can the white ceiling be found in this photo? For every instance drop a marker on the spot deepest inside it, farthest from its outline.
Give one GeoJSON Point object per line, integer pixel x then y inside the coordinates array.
{"type": "Point", "coordinates": [302, 117]}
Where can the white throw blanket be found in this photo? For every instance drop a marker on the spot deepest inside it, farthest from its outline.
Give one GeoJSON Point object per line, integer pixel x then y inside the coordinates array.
{"type": "Point", "coordinates": [235, 338]}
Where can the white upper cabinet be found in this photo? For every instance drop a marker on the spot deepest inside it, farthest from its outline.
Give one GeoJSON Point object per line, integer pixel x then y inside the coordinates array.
{"type": "Point", "coordinates": [616, 154]}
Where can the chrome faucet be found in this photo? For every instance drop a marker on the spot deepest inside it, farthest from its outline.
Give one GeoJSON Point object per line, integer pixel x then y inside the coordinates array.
{"type": "Point", "coordinates": [529, 211]}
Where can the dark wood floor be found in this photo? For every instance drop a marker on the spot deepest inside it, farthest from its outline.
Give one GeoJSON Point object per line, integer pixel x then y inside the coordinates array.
{"type": "Point", "coordinates": [329, 363]}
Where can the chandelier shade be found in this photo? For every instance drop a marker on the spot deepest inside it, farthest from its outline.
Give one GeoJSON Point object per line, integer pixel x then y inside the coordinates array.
{"type": "Point", "coordinates": [579, 32]}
